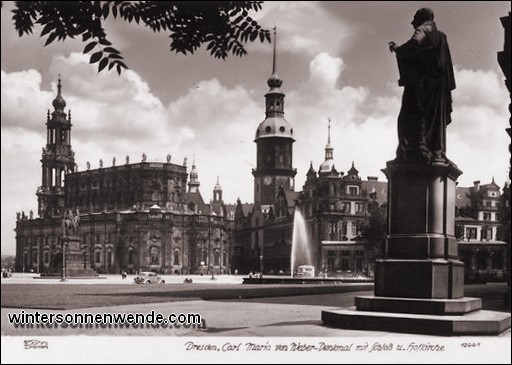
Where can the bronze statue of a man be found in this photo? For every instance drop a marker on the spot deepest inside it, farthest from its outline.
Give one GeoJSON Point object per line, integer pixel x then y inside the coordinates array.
{"type": "Point", "coordinates": [426, 73]}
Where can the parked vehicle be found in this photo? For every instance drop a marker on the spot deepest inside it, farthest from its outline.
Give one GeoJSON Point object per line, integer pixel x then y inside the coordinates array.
{"type": "Point", "coordinates": [6, 273]}
{"type": "Point", "coordinates": [148, 277]}
{"type": "Point", "coordinates": [305, 271]}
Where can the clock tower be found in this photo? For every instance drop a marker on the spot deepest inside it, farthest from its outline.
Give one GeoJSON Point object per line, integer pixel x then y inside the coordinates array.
{"type": "Point", "coordinates": [274, 141]}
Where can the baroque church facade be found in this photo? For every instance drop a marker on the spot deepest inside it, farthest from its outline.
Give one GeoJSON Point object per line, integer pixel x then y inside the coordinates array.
{"type": "Point", "coordinates": [133, 216]}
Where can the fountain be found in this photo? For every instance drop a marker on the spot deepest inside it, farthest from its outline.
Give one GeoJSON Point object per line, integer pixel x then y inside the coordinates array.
{"type": "Point", "coordinates": [301, 250]}
{"type": "Point", "coordinates": [301, 258]}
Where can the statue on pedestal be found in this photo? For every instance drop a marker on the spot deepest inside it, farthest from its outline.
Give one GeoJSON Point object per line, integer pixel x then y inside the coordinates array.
{"type": "Point", "coordinates": [70, 223]}
{"type": "Point", "coordinates": [426, 73]}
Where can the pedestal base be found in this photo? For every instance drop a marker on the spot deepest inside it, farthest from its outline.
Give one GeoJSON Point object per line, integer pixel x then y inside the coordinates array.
{"type": "Point", "coordinates": [75, 264]}
{"type": "Point", "coordinates": [434, 278]}
{"type": "Point", "coordinates": [418, 306]}
{"type": "Point", "coordinates": [475, 323]}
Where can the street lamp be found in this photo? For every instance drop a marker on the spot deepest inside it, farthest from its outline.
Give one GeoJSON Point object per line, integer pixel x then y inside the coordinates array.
{"type": "Point", "coordinates": [261, 264]}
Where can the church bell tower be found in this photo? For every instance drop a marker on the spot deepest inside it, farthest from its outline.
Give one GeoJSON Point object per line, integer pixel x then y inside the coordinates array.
{"type": "Point", "coordinates": [57, 159]}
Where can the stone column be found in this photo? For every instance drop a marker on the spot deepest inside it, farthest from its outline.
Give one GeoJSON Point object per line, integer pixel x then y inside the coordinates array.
{"type": "Point", "coordinates": [421, 249]}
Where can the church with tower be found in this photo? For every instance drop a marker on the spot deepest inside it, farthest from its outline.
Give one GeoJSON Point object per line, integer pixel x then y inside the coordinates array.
{"type": "Point", "coordinates": [132, 216]}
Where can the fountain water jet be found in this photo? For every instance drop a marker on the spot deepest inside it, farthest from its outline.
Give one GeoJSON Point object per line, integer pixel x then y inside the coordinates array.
{"type": "Point", "coordinates": [301, 250]}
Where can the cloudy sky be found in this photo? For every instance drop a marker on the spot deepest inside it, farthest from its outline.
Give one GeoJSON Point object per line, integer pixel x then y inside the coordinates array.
{"type": "Point", "coordinates": [332, 57]}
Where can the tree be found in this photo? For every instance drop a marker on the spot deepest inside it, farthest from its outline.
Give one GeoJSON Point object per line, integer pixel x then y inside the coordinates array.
{"type": "Point", "coordinates": [224, 26]}
{"type": "Point", "coordinates": [375, 230]}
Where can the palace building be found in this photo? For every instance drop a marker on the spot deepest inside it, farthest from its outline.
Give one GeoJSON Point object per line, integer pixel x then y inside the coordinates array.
{"type": "Point", "coordinates": [133, 216]}
{"type": "Point", "coordinates": [334, 206]}
{"type": "Point", "coordinates": [478, 229]}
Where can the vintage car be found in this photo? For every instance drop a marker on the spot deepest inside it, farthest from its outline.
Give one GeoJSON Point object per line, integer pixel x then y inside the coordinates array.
{"type": "Point", "coordinates": [148, 277]}
{"type": "Point", "coordinates": [305, 271]}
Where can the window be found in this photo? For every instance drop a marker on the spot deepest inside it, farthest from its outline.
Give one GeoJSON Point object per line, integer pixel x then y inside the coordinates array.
{"type": "Point", "coordinates": [46, 257]}
{"type": "Point", "coordinates": [352, 190]}
{"type": "Point", "coordinates": [471, 233]}
{"type": "Point", "coordinates": [359, 208]}
{"type": "Point", "coordinates": [332, 231]}
{"type": "Point", "coordinates": [224, 258]}
{"type": "Point", "coordinates": [345, 260]}
{"type": "Point", "coordinates": [359, 227]}
{"type": "Point", "coordinates": [354, 229]}
{"type": "Point", "coordinates": [344, 227]}
{"type": "Point", "coordinates": [486, 233]}
{"type": "Point", "coordinates": [216, 258]}
{"type": "Point", "coordinates": [330, 260]}
{"type": "Point", "coordinates": [109, 257]}
{"type": "Point", "coordinates": [176, 258]}
{"type": "Point", "coordinates": [345, 208]}
{"type": "Point", "coordinates": [97, 257]}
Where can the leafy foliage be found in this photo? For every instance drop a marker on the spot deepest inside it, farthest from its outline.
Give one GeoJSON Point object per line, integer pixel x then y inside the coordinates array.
{"type": "Point", "coordinates": [224, 26]}
{"type": "Point", "coordinates": [375, 230]}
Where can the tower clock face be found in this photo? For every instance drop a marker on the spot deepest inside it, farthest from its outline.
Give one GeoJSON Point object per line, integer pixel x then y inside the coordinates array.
{"type": "Point", "coordinates": [267, 180]}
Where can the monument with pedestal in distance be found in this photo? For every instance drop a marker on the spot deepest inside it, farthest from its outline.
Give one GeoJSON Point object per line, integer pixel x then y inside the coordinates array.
{"type": "Point", "coordinates": [75, 263]}
{"type": "Point", "coordinates": [419, 286]}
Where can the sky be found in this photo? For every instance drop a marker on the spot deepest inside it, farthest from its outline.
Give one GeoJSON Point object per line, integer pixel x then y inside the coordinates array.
{"type": "Point", "coordinates": [333, 59]}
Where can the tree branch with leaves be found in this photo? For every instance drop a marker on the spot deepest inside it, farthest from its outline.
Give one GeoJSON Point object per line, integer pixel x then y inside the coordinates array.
{"type": "Point", "coordinates": [223, 26]}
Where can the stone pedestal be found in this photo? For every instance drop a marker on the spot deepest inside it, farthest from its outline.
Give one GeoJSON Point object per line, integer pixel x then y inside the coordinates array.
{"type": "Point", "coordinates": [419, 287]}
{"type": "Point", "coordinates": [75, 265]}
{"type": "Point", "coordinates": [421, 249]}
